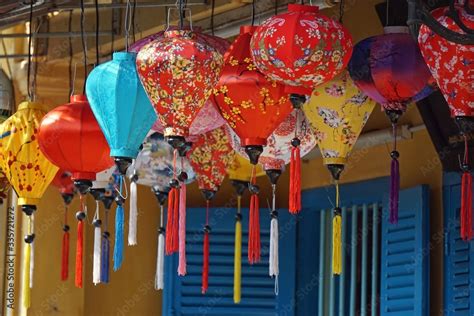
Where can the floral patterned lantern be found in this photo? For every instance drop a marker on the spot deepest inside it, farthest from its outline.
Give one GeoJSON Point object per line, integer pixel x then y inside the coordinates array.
{"type": "Point", "coordinates": [389, 69]}
{"type": "Point", "coordinates": [178, 74]}
{"type": "Point", "coordinates": [210, 157]}
{"type": "Point", "coordinates": [337, 113]}
{"type": "Point", "coordinates": [4, 186]}
{"type": "Point", "coordinates": [301, 48]}
{"type": "Point", "coordinates": [451, 65]}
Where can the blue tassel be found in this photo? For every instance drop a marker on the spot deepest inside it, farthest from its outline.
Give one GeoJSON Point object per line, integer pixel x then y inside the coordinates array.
{"type": "Point", "coordinates": [104, 260]}
{"type": "Point", "coordinates": [118, 247]}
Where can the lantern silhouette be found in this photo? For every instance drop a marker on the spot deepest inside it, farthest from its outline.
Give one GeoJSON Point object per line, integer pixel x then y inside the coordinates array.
{"type": "Point", "coordinates": [337, 112]}
{"type": "Point", "coordinates": [178, 74]}
{"type": "Point", "coordinates": [210, 157]}
{"type": "Point", "coordinates": [451, 65]}
{"type": "Point", "coordinates": [120, 106]}
{"type": "Point", "coordinates": [389, 69]}
{"type": "Point", "coordinates": [301, 48]}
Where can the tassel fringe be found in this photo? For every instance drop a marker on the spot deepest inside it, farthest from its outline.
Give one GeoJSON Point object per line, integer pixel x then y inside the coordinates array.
{"type": "Point", "coordinates": [160, 263]}
{"type": "Point", "coordinates": [132, 221]}
{"type": "Point", "coordinates": [26, 276]}
{"type": "Point", "coordinates": [394, 190]}
{"type": "Point", "coordinates": [254, 230]}
{"type": "Point", "coordinates": [295, 181]}
{"type": "Point", "coordinates": [65, 257]}
{"type": "Point", "coordinates": [118, 246]}
{"type": "Point", "coordinates": [96, 260]}
{"type": "Point", "coordinates": [274, 270]}
{"type": "Point", "coordinates": [337, 244]}
{"type": "Point", "coordinates": [205, 266]}
{"type": "Point", "coordinates": [79, 253]}
{"type": "Point", "coordinates": [172, 225]}
{"type": "Point", "coordinates": [182, 230]}
{"type": "Point", "coordinates": [238, 256]}
{"type": "Point", "coordinates": [104, 260]}
{"type": "Point", "coordinates": [466, 207]}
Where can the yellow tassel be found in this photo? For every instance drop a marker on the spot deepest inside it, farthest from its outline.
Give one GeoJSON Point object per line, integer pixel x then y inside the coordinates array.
{"type": "Point", "coordinates": [237, 258]}
{"type": "Point", "coordinates": [26, 276]}
{"type": "Point", "coordinates": [336, 244]}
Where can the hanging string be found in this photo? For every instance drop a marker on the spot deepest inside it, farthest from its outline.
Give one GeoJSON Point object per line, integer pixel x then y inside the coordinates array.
{"type": "Point", "coordinates": [35, 66]}
{"type": "Point", "coordinates": [128, 22]}
{"type": "Point", "coordinates": [386, 12]}
{"type": "Point", "coordinates": [160, 260]}
{"type": "Point", "coordinates": [65, 247]}
{"type": "Point", "coordinates": [71, 88]}
{"type": "Point", "coordinates": [30, 39]}
{"type": "Point", "coordinates": [205, 265]}
{"type": "Point", "coordinates": [84, 45]}
{"type": "Point", "coordinates": [276, 7]}
{"type": "Point", "coordinates": [213, 6]}
{"type": "Point", "coordinates": [466, 195]}
{"type": "Point", "coordinates": [341, 11]}
{"type": "Point", "coordinates": [134, 8]}
{"type": "Point", "coordinates": [97, 27]}
{"type": "Point", "coordinates": [181, 14]}
{"type": "Point", "coordinates": [238, 252]}
{"type": "Point", "coordinates": [336, 236]}
{"type": "Point", "coordinates": [273, 267]}
{"type": "Point", "coordinates": [394, 179]}
{"type": "Point", "coordinates": [253, 12]}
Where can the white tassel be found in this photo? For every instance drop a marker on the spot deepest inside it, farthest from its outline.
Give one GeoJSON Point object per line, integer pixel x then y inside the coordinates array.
{"type": "Point", "coordinates": [273, 267]}
{"type": "Point", "coordinates": [132, 222]}
{"type": "Point", "coordinates": [160, 263]}
{"type": "Point", "coordinates": [32, 254]}
{"type": "Point", "coordinates": [97, 249]}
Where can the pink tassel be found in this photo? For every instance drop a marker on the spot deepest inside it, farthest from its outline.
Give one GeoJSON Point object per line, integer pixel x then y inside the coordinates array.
{"type": "Point", "coordinates": [182, 230]}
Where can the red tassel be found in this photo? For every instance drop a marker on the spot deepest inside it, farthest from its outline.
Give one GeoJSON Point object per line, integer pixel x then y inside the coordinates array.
{"type": "Point", "coordinates": [79, 253]}
{"type": "Point", "coordinates": [254, 227]}
{"type": "Point", "coordinates": [205, 265]}
{"type": "Point", "coordinates": [295, 181]}
{"type": "Point", "coordinates": [172, 223]}
{"type": "Point", "coordinates": [466, 207]}
{"type": "Point", "coordinates": [175, 228]}
{"type": "Point", "coordinates": [65, 257]}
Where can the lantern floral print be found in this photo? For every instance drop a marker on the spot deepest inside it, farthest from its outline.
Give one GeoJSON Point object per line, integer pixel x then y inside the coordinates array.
{"type": "Point", "coordinates": [451, 64]}
{"type": "Point", "coordinates": [277, 153]}
{"type": "Point", "coordinates": [178, 74]}
{"type": "Point", "coordinates": [4, 186]}
{"type": "Point", "coordinates": [337, 112]}
{"type": "Point", "coordinates": [210, 157]}
{"type": "Point", "coordinates": [301, 47]}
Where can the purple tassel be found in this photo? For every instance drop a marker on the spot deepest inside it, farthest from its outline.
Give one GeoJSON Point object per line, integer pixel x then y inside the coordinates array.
{"type": "Point", "coordinates": [104, 260]}
{"type": "Point", "coordinates": [394, 190]}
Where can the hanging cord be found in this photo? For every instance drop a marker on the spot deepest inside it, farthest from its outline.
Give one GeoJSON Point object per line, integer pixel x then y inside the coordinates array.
{"type": "Point", "coordinates": [276, 7]}
{"type": "Point", "coordinates": [387, 12]}
{"type": "Point", "coordinates": [238, 252]}
{"type": "Point", "coordinates": [134, 8]}
{"type": "Point", "coordinates": [97, 27]}
{"type": "Point", "coordinates": [181, 14]}
{"type": "Point", "coordinates": [35, 64]}
{"type": "Point", "coordinates": [84, 46]}
{"type": "Point", "coordinates": [336, 236]}
{"type": "Point", "coordinates": [341, 10]}
{"type": "Point", "coordinates": [65, 247]}
{"type": "Point", "coordinates": [273, 267]}
{"type": "Point", "coordinates": [205, 266]}
{"type": "Point", "coordinates": [71, 85]}
{"type": "Point", "coordinates": [253, 11]}
{"type": "Point", "coordinates": [30, 39]}
{"type": "Point", "coordinates": [213, 7]}
{"type": "Point", "coordinates": [394, 179]}
{"type": "Point", "coordinates": [466, 195]}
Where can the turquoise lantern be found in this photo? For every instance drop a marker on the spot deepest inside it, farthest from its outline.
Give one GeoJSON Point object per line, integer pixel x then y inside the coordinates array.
{"type": "Point", "coordinates": [121, 107]}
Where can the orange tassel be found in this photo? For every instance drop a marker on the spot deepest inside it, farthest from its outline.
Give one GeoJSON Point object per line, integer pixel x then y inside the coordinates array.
{"type": "Point", "coordinates": [65, 257]}
{"type": "Point", "coordinates": [295, 181]}
{"type": "Point", "coordinates": [79, 253]}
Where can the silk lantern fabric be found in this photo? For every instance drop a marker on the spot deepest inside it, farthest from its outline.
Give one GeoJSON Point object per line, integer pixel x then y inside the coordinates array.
{"type": "Point", "coordinates": [71, 138]}
{"type": "Point", "coordinates": [21, 159]}
{"type": "Point", "coordinates": [451, 64]}
{"type": "Point", "coordinates": [277, 153]}
{"type": "Point", "coordinates": [154, 164]}
{"type": "Point", "coordinates": [63, 182]}
{"type": "Point", "coordinates": [337, 112]}
{"type": "Point", "coordinates": [120, 104]}
{"type": "Point", "coordinates": [389, 68]}
{"type": "Point", "coordinates": [210, 157]}
{"type": "Point", "coordinates": [301, 48]}
{"type": "Point", "coordinates": [178, 74]}
{"type": "Point", "coordinates": [252, 104]}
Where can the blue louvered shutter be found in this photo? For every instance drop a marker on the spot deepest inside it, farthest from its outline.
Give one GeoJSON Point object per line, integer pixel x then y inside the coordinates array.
{"type": "Point", "coordinates": [182, 295]}
{"type": "Point", "coordinates": [405, 255]}
{"type": "Point", "coordinates": [459, 258]}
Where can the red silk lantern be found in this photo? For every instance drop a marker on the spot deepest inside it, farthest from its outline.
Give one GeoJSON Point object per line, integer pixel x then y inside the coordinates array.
{"type": "Point", "coordinates": [178, 74]}
{"type": "Point", "coordinates": [65, 185]}
{"type": "Point", "coordinates": [301, 48]}
{"type": "Point", "coordinates": [452, 67]}
{"type": "Point", "coordinates": [71, 138]}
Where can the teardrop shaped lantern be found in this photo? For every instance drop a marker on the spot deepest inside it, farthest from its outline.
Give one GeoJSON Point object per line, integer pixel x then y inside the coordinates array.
{"type": "Point", "coordinates": [452, 67]}
{"type": "Point", "coordinates": [210, 157]}
{"type": "Point", "coordinates": [178, 74]}
{"type": "Point", "coordinates": [389, 69]}
{"type": "Point", "coordinates": [301, 48]}
{"type": "Point", "coordinates": [337, 112]}
{"type": "Point", "coordinates": [120, 106]}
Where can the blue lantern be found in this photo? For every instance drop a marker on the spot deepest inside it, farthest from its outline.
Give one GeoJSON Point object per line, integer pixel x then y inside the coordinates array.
{"type": "Point", "coordinates": [121, 106]}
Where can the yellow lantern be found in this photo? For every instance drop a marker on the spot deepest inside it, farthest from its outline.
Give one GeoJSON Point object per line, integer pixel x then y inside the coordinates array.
{"type": "Point", "coordinates": [27, 169]}
{"type": "Point", "coordinates": [337, 112]}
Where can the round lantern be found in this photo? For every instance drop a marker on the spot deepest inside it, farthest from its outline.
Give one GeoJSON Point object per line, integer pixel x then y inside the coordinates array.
{"type": "Point", "coordinates": [389, 69]}
{"type": "Point", "coordinates": [65, 185]}
{"type": "Point", "coordinates": [178, 74]}
{"type": "Point", "coordinates": [301, 48]}
{"type": "Point", "coordinates": [452, 67]}
{"type": "Point", "coordinates": [120, 106]}
{"type": "Point", "coordinates": [71, 138]}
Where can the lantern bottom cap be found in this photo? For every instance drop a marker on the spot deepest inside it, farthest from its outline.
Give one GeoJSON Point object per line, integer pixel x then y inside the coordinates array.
{"type": "Point", "coordinates": [124, 153]}
{"type": "Point", "coordinates": [28, 201]}
{"type": "Point", "coordinates": [335, 161]}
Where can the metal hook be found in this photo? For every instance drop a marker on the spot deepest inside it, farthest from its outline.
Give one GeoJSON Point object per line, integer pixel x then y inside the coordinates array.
{"type": "Point", "coordinates": [74, 76]}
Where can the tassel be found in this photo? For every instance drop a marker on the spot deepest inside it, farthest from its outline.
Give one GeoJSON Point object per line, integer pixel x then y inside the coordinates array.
{"type": "Point", "coordinates": [132, 222]}
{"type": "Point", "coordinates": [26, 276]}
{"type": "Point", "coordinates": [160, 257]}
{"type": "Point", "coordinates": [466, 196]}
{"type": "Point", "coordinates": [254, 223]}
{"type": "Point", "coordinates": [205, 253]}
{"type": "Point", "coordinates": [182, 230]}
{"type": "Point", "coordinates": [336, 236]}
{"type": "Point", "coordinates": [172, 225]}
{"type": "Point", "coordinates": [32, 251]}
{"type": "Point", "coordinates": [273, 267]}
{"type": "Point", "coordinates": [295, 178]}
{"type": "Point", "coordinates": [118, 246]}
{"type": "Point", "coordinates": [97, 246]}
{"type": "Point", "coordinates": [65, 248]}
{"type": "Point", "coordinates": [104, 260]}
{"type": "Point", "coordinates": [238, 253]}
{"type": "Point", "coordinates": [394, 179]}
{"type": "Point", "coordinates": [79, 253]}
